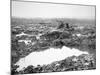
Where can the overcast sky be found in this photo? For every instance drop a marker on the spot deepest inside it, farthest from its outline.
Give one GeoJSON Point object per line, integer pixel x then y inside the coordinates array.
{"type": "Point", "coordinates": [45, 10]}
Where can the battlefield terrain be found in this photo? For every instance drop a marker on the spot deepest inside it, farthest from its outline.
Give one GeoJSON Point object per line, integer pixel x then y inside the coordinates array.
{"type": "Point", "coordinates": [35, 35]}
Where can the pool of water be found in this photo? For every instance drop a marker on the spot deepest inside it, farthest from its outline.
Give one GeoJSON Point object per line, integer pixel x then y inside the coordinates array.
{"type": "Point", "coordinates": [47, 56]}
{"type": "Point", "coordinates": [21, 34]}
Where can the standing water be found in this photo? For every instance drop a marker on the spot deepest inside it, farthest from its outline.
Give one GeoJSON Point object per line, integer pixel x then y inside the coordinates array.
{"type": "Point", "coordinates": [21, 34]}
{"type": "Point", "coordinates": [47, 56]}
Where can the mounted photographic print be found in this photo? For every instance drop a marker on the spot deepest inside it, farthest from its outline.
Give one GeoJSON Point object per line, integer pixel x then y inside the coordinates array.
{"type": "Point", "coordinates": [52, 37]}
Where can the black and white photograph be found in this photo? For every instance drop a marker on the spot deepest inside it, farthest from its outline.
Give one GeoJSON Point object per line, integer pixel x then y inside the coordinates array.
{"type": "Point", "coordinates": [52, 37]}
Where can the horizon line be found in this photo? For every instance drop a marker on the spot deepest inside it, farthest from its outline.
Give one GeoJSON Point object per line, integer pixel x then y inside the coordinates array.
{"type": "Point", "coordinates": [52, 18]}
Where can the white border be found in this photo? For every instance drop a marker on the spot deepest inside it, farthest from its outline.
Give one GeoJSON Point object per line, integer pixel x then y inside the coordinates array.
{"type": "Point", "coordinates": [5, 36]}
